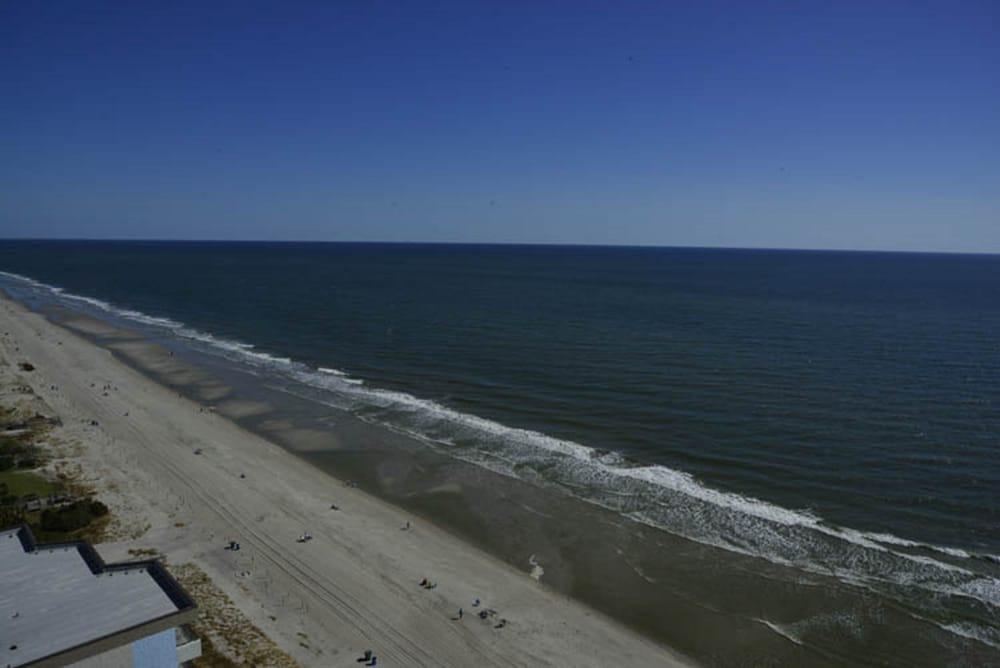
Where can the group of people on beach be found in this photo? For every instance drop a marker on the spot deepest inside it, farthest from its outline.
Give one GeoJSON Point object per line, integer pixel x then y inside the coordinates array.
{"type": "Point", "coordinates": [483, 614]}
{"type": "Point", "coordinates": [369, 658]}
{"type": "Point", "coordinates": [107, 387]}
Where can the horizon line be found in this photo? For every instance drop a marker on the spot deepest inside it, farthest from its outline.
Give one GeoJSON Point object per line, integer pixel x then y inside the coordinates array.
{"type": "Point", "coordinates": [497, 243]}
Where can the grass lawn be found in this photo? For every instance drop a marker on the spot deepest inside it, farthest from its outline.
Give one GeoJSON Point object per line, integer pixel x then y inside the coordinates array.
{"type": "Point", "coordinates": [20, 483]}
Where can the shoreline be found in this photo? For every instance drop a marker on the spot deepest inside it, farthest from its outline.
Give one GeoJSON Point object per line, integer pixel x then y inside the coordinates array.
{"type": "Point", "coordinates": [695, 599]}
{"type": "Point", "coordinates": [352, 588]}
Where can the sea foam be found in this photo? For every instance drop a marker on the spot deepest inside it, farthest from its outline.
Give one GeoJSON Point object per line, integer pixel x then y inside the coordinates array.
{"type": "Point", "coordinates": [655, 495]}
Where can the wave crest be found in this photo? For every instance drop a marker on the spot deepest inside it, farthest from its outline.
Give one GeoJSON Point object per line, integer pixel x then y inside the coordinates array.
{"type": "Point", "coordinates": [655, 495]}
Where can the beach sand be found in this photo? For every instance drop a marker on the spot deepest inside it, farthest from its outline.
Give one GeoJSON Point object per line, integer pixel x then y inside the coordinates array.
{"type": "Point", "coordinates": [353, 587]}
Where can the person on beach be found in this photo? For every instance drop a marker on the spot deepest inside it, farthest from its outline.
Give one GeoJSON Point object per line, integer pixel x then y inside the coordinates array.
{"type": "Point", "coordinates": [460, 613]}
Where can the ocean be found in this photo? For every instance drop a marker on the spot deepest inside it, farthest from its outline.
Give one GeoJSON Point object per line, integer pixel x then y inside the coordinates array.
{"type": "Point", "coordinates": [825, 420]}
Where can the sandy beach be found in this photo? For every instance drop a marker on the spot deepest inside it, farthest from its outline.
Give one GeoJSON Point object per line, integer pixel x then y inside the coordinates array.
{"type": "Point", "coordinates": [185, 481]}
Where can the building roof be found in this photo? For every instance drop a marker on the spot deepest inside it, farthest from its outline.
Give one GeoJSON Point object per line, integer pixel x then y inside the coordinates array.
{"type": "Point", "coordinates": [60, 602]}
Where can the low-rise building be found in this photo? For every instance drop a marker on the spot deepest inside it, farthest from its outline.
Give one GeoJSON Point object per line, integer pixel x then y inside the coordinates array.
{"type": "Point", "coordinates": [61, 605]}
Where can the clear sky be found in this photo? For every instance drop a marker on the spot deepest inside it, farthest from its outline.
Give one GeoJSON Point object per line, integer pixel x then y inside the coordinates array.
{"type": "Point", "coordinates": [837, 124]}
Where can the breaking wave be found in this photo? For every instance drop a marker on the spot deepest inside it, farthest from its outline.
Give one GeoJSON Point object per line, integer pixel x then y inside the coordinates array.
{"type": "Point", "coordinates": [665, 498]}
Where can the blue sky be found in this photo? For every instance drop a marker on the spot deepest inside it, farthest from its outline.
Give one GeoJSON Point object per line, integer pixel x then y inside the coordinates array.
{"type": "Point", "coordinates": [869, 125]}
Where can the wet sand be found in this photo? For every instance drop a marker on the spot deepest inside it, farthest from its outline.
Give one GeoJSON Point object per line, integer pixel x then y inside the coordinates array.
{"type": "Point", "coordinates": [198, 480]}
{"type": "Point", "coordinates": [714, 605]}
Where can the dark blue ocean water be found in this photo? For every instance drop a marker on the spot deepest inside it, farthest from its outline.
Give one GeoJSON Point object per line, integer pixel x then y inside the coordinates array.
{"type": "Point", "coordinates": [834, 414]}
{"type": "Point", "coordinates": [860, 390]}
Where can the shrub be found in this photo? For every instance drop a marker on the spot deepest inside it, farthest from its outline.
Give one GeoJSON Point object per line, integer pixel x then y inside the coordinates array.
{"type": "Point", "coordinates": [75, 516]}
{"type": "Point", "coordinates": [69, 518]}
{"type": "Point", "coordinates": [10, 515]}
